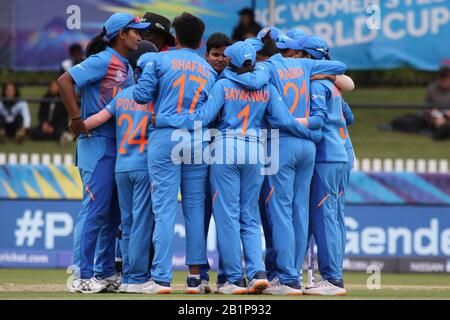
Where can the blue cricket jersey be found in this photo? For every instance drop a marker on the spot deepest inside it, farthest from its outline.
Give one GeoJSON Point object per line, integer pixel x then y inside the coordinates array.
{"type": "Point", "coordinates": [332, 147]}
{"type": "Point", "coordinates": [100, 77]}
{"type": "Point", "coordinates": [131, 121]}
{"type": "Point", "coordinates": [242, 111]}
{"type": "Point", "coordinates": [291, 77]}
{"type": "Point", "coordinates": [178, 81]}
{"type": "Point", "coordinates": [349, 119]}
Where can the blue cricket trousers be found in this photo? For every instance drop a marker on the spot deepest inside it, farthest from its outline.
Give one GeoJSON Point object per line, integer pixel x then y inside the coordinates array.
{"type": "Point", "coordinates": [168, 157]}
{"type": "Point", "coordinates": [97, 223]}
{"type": "Point", "coordinates": [137, 224]}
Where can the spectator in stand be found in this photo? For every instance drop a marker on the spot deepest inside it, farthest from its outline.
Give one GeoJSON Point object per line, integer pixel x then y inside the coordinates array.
{"type": "Point", "coordinates": [436, 118]}
{"type": "Point", "coordinates": [438, 100]}
{"type": "Point", "coordinates": [15, 117]}
{"type": "Point", "coordinates": [159, 31]}
{"type": "Point", "coordinates": [247, 27]}
{"type": "Point", "coordinates": [53, 118]}
{"type": "Point", "coordinates": [76, 54]}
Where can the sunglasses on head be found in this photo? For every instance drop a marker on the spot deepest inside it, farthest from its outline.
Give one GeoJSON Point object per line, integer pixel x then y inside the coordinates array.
{"type": "Point", "coordinates": [135, 20]}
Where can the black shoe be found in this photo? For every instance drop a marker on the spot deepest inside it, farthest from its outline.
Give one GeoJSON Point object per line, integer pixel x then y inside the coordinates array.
{"type": "Point", "coordinates": [192, 282]}
{"type": "Point", "coordinates": [294, 285]}
{"type": "Point", "coordinates": [260, 275]}
{"type": "Point", "coordinates": [241, 283]}
{"type": "Point", "coordinates": [338, 283]}
{"type": "Point", "coordinates": [193, 286]}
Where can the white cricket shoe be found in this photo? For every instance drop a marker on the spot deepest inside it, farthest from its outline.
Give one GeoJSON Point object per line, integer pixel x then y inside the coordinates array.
{"type": "Point", "coordinates": [112, 283]}
{"type": "Point", "coordinates": [230, 288]}
{"type": "Point", "coordinates": [218, 286]}
{"type": "Point", "coordinates": [136, 287]}
{"type": "Point", "coordinates": [280, 289]}
{"type": "Point", "coordinates": [205, 287]}
{"type": "Point", "coordinates": [87, 286]}
{"type": "Point", "coordinates": [151, 287]}
{"type": "Point", "coordinates": [257, 286]}
{"type": "Point", "coordinates": [123, 288]}
{"type": "Point", "coordinates": [324, 288]}
{"type": "Point", "coordinates": [75, 286]}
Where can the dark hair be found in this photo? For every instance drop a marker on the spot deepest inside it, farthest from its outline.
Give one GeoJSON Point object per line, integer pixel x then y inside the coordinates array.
{"type": "Point", "coordinates": [444, 72]}
{"type": "Point", "coordinates": [16, 87]}
{"type": "Point", "coordinates": [48, 89]}
{"type": "Point", "coordinates": [74, 48]}
{"type": "Point", "coordinates": [270, 46]}
{"type": "Point", "coordinates": [248, 66]}
{"type": "Point", "coordinates": [248, 12]}
{"type": "Point", "coordinates": [217, 40]}
{"type": "Point", "coordinates": [99, 43]}
{"type": "Point", "coordinates": [189, 30]}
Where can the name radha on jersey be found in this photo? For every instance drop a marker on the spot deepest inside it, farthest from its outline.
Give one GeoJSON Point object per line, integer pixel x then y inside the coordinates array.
{"type": "Point", "coordinates": [188, 65]}
{"type": "Point", "coordinates": [132, 105]}
{"type": "Point", "coordinates": [248, 96]}
{"type": "Point", "coordinates": [290, 73]}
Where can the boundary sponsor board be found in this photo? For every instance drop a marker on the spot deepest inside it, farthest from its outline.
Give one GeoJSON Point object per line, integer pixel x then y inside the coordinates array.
{"type": "Point", "coordinates": [39, 234]}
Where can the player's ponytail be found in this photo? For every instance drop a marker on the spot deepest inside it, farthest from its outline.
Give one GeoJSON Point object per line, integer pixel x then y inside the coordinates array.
{"type": "Point", "coordinates": [97, 44]}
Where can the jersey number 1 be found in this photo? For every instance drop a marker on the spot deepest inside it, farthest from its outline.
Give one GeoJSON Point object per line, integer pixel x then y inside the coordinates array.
{"type": "Point", "coordinates": [245, 113]}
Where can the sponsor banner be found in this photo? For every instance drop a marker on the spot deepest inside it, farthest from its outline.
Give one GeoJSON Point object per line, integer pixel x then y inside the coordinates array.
{"type": "Point", "coordinates": [398, 264]}
{"type": "Point", "coordinates": [44, 30]}
{"type": "Point", "coordinates": [371, 34]}
{"type": "Point", "coordinates": [39, 234]}
{"type": "Point", "coordinates": [63, 182]}
{"type": "Point", "coordinates": [365, 34]}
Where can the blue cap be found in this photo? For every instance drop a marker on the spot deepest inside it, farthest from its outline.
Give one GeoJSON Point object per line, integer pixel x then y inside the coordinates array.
{"type": "Point", "coordinates": [315, 46]}
{"type": "Point", "coordinates": [274, 32]}
{"type": "Point", "coordinates": [119, 21]}
{"type": "Point", "coordinates": [284, 42]}
{"type": "Point", "coordinates": [256, 43]}
{"type": "Point", "coordinates": [240, 52]}
{"type": "Point", "coordinates": [295, 34]}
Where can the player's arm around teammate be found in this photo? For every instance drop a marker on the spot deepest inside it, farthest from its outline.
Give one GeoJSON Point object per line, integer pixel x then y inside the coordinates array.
{"type": "Point", "coordinates": [327, 225]}
{"type": "Point", "coordinates": [180, 81]}
{"type": "Point", "coordinates": [105, 72]}
{"type": "Point", "coordinates": [132, 179]}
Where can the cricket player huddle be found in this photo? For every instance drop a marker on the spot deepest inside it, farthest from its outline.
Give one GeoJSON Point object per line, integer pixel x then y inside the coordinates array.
{"type": "Point", "coordinates": [138, 148]}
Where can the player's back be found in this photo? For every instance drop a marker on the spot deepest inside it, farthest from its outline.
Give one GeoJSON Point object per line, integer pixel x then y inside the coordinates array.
{"type": "Point", "coordinates": [243, 111]}
{"type": "Point", "coordinates": [185, 80]}
{"type": "Point", "coordinates": [291, 77]}
{"type": "Point", "coordinates": [132, 120]}
{"type": "Point", "coordinates": [332, 147]}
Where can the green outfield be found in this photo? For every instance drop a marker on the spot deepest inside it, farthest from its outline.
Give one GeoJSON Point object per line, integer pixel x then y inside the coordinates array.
{"type": "Point", "coordinates": [369, 141]}
{"type": "Point", "coordinates": [50, 284]}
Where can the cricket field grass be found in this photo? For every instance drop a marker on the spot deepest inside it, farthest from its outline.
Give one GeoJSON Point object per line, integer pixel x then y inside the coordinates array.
{"type": "Point", "coordinates": [51, 284]}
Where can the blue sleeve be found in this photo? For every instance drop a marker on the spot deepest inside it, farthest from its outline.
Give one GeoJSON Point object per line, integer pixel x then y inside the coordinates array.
{"type": "Point", "coordinates": [327, 67]}
{"type": "Point", "coordinates": [205, 113]}
{"type": "Point", "coordinates": [348, 114]}
{"type": "Point", "coordinates": [90, 70]}
{"type": "Point", "coordinates": [256, 79]}
{"type": "Point", "coordinates": [111, 107]}
{"type": "Point", "coordinates": [145, 89]}
{"type": "Point", "coordinates": [319, 97]}
{"type": "Point", "coordinates": [279, 117]}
